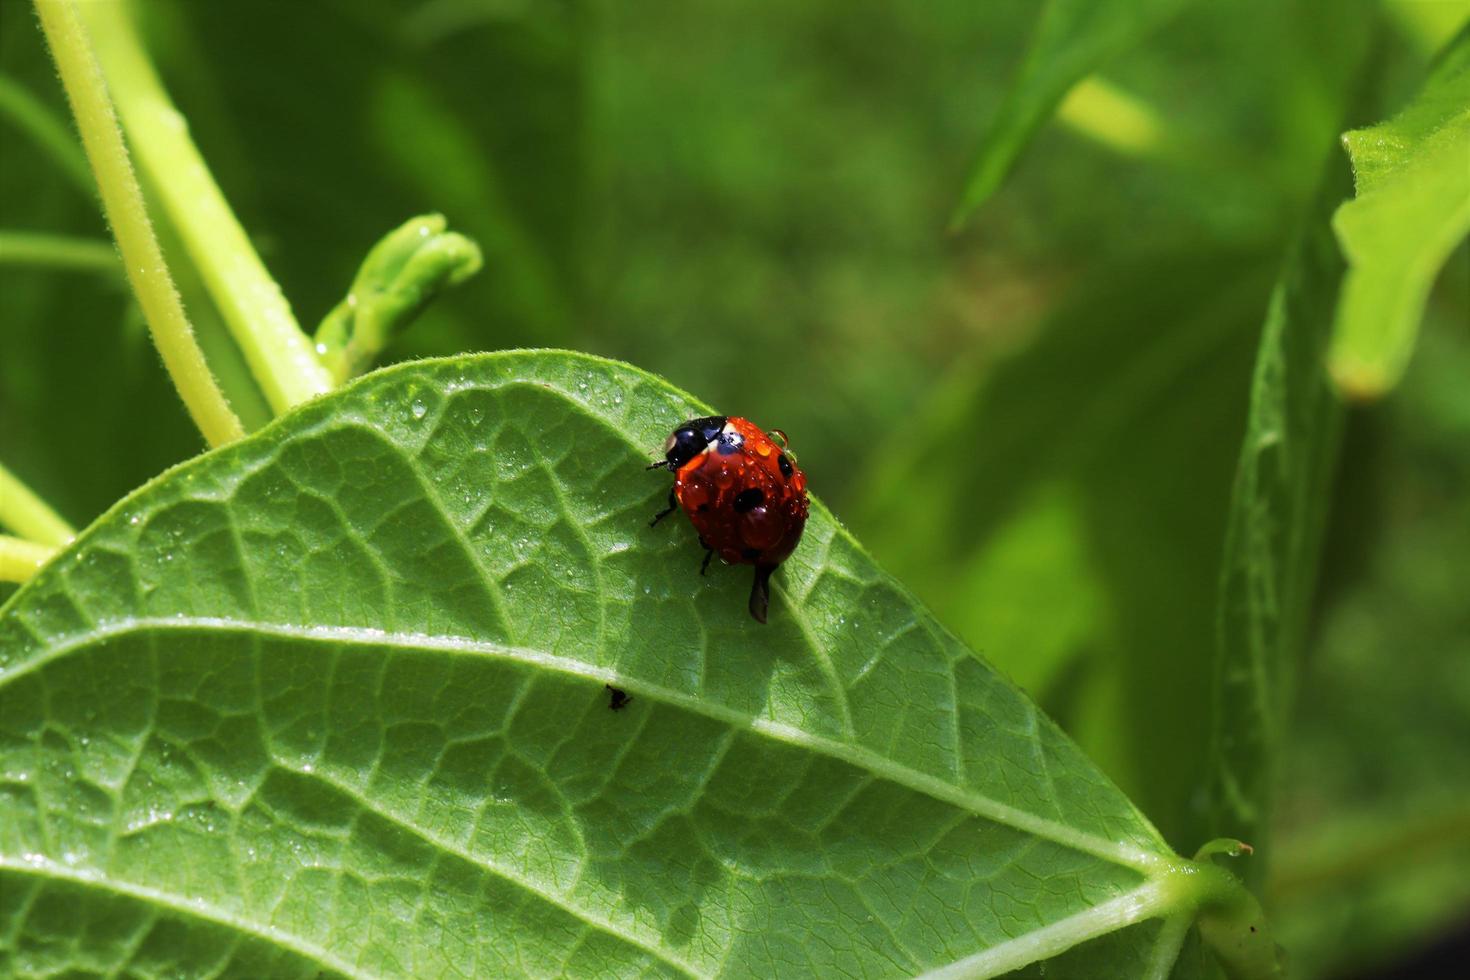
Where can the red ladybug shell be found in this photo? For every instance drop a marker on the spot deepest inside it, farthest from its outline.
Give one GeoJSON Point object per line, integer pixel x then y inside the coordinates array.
{"type": "Point", "coordinates": [743, 493]}
{"type": "Point", "coordinates": [744, 507]}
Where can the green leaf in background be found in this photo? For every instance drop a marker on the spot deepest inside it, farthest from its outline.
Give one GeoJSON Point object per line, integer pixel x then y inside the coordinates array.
{"type": "Point", "coordinates": [1412, 208]}
{"type": "Point", "coordinates": [332, 699]}
{"type": "Point", "coordinates": [1063, 507]}
{"type": "Point", "coordinates": [1278, 510]}
{"type": "Point", "coordinates": [1371, 846]}
{"type": "Point", "coordinates": [1071, 39]}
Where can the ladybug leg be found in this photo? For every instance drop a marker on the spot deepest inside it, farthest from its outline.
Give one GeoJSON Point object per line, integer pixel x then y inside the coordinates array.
{"type": "Point", "coordinates": [760, 592]}
{"type": "Point", "coordinates": [708, 554]}
{"type": "Point", "coordinates": [673, 502]}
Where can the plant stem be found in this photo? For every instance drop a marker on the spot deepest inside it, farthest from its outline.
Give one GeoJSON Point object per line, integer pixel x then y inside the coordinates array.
{"type": "Point", "coordinates": [49, 133]}
{"type": "Point", "coordinates": [279, 354]}
{"type": "Point", "coordinates": [28, 515]}
{"type": "Point", "coordinates": [58, 252]}
{"type": "Point", "coordinates": [20, 559]}
{"type": "Point", "coordinates": [122, 200]}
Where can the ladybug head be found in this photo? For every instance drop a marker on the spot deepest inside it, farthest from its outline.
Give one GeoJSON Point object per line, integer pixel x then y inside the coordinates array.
{"type": "Point", "coordinates": [691, 439]}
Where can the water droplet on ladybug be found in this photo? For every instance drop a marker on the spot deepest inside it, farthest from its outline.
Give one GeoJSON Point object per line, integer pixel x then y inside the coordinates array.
{"type": "Point", "coordinates": [760, 528]}
{"type": "Point", "coordinates": [694, 495]}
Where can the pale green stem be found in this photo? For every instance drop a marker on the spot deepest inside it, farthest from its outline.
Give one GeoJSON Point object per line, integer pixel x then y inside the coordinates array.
{"type": "Point", "coordinates": [20, 559]}
{"type": "Point", "coordinates": [279, 354]}
{"type": "Point", "coordinates": [122, 200]}
{"type": "Point", "coordinates": [28, 515]}
{"type": "Point", "coordinates": [1166, 947]}
{"type": "Point", "coordinates": [57, 252]}
{"type": "Point", "coordinates": [37, 121]}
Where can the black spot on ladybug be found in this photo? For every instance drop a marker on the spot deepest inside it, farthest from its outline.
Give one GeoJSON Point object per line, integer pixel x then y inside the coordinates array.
{"type": "Point", "coordinates": [619, 699]}
{"type": "Point", "coordinates": [703, 508]}
{"type": "Point", "coordinates": [749, 499]}
{"type": "Point", "coordinates": [750, 554]}
{"type": "Point", "coordinates": [785, 465]}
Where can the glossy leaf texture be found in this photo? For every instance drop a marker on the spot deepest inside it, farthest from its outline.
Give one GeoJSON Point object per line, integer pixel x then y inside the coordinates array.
{"type": "Point", "coordinates": [1278, 512]}
{"type": "Point", "coordinates": [1072, 38]}
{"type": "Point", "coordinates": [331, 700]}
{"type": "Point", "coordinates": [1411, 210]}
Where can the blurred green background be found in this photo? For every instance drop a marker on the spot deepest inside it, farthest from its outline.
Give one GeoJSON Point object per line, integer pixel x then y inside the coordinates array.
{"type": "Point", "coordinates": [1033, 423]}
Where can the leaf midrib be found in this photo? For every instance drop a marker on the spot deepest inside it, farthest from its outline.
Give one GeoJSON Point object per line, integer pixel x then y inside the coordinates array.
{"type": "Point", "coordinates": [39, 867]}
{"type": "Point", "coordinates": [1113, 852]}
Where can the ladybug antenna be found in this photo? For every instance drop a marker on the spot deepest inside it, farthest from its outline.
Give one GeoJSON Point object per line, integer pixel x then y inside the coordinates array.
{"type": "Point", "coordinates": [760, 592]}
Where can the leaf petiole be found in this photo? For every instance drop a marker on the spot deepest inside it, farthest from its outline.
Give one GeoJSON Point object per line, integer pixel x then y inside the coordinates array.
{"type": "Point", "coordinates": [20, 559]}
{"type": "Point", "coordinates": [259, 318]}
{"type": "Point", "coordinates": [122, 199]}
{"type": "Point", "coordinates": [28, 515]}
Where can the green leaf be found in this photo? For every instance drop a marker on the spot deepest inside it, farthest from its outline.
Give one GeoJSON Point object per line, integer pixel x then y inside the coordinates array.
{"type": "Point", "coordinates": [1069, 517]}
{"type": "Point", "coordinates": [400, 276]}
{"type": "Point", "coordinates": [1412, 208]}
{"type": "Point", "coordinates": [332, 699]}
{"type": "Point", "coordinates": [1278, 511]}
{"type": "Point", "coordinates": [1371, 852]}
{"type": "Point", "coordinates": [1072, 39]}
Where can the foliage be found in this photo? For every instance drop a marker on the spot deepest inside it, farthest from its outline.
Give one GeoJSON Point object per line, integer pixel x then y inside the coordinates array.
{"type": "Point", "coordinates": [368, 651]}
{"type": "Point", "coordinates": [331, 698]}
{"type": "Point", "coordinates": [1412, 208]}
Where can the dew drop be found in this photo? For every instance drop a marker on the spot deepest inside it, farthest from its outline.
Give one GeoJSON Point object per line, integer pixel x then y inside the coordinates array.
{"type": "Point", "coordinates": [419, 409]}
{"type": "Point", "coordinates": [321, 349]}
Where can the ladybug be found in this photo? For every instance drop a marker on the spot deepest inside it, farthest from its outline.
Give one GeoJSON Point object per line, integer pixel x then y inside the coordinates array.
{"type": "Point", "coordinates": [742, 492]}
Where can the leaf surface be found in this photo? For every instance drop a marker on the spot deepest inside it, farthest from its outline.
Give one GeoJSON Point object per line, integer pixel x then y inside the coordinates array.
{"type": "Point", "coordinates": [1412, 208]}
{"type": "Point", "coordinates": [1278, 511]}
{"type": "Point", "coordinates": [332, 699]}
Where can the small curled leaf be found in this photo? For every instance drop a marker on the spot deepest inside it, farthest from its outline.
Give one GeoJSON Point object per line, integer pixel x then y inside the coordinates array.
{"type": "Point", "coordinates": [400, 277]}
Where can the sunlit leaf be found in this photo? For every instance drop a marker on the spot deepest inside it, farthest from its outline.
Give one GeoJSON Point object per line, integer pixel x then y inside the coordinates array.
{"type": "Point", "coordinates": [333, 699]}
{"type": "Point", "coordinates": [1412, 208]}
